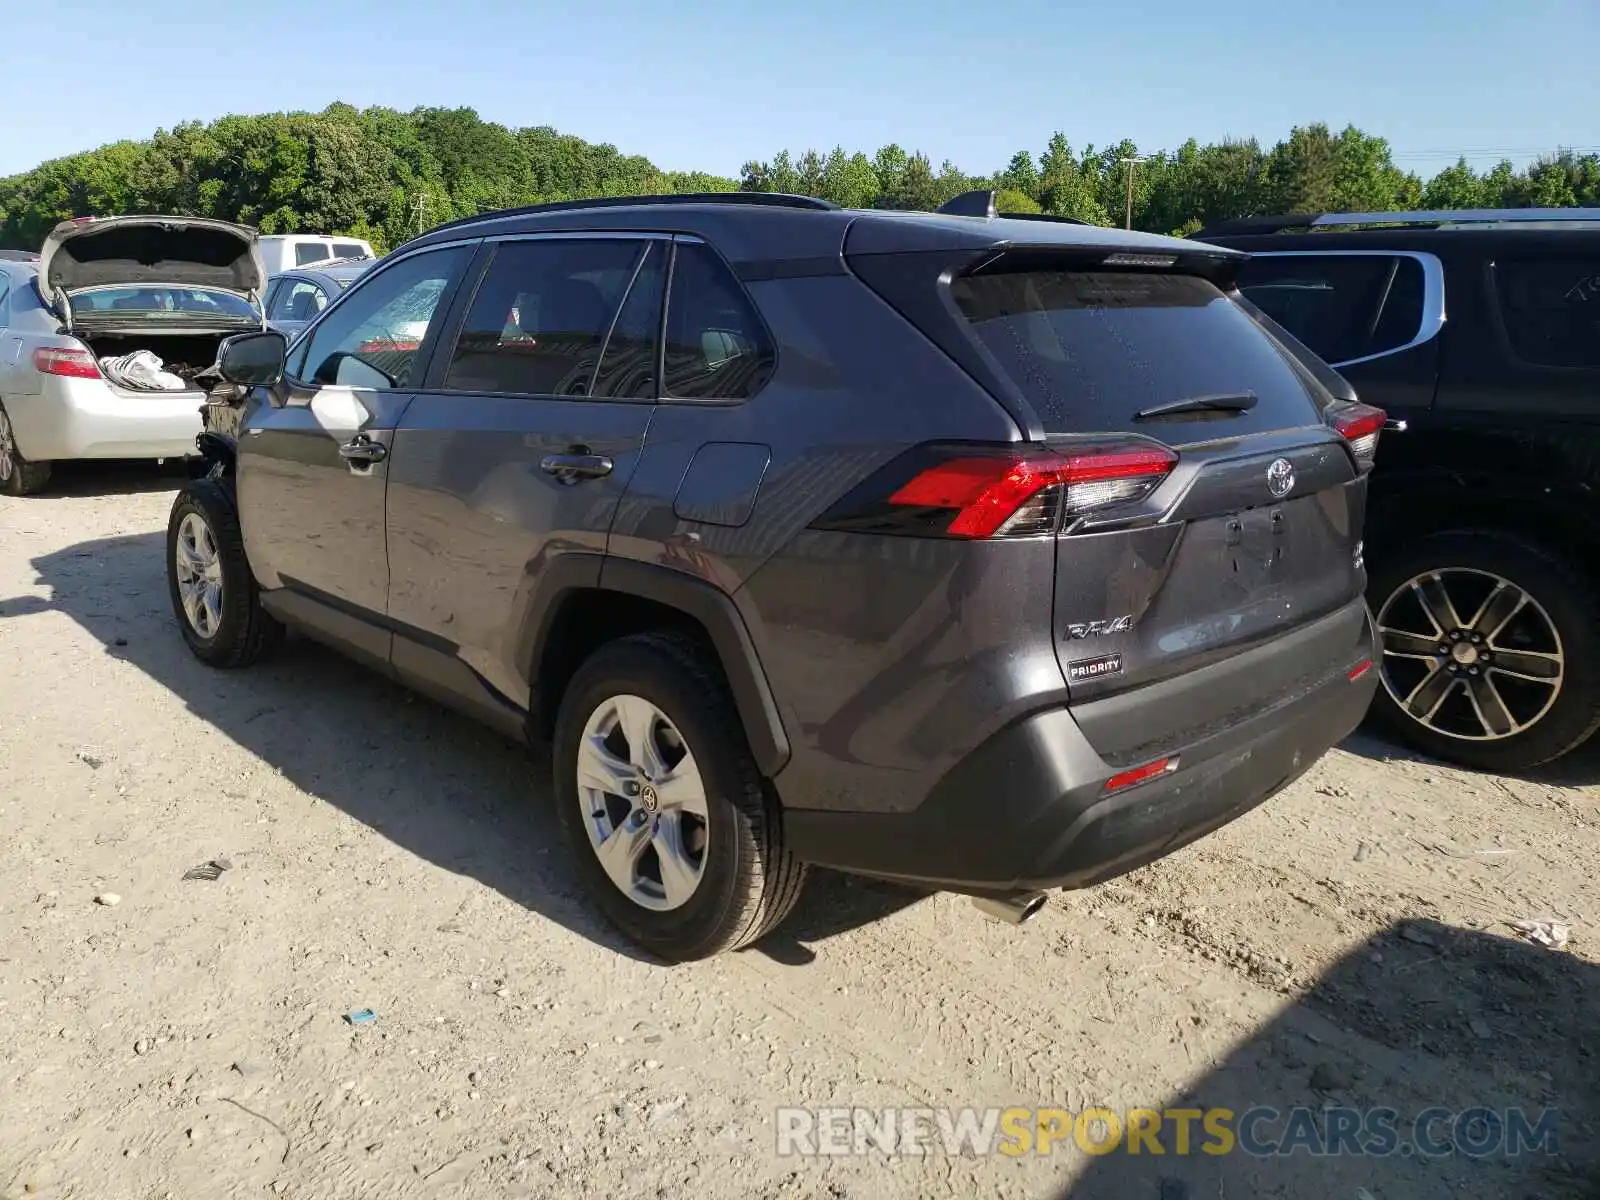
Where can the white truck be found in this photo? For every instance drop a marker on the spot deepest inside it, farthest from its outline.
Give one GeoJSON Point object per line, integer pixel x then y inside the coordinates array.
{"type": "Point", "coordinates": [285, 252]}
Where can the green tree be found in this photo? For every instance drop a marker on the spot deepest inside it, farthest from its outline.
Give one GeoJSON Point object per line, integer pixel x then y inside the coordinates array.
{"type": "Point", "coordinates": [1456, 186]}
{"type": "Point", "coordinates": [387, 175]}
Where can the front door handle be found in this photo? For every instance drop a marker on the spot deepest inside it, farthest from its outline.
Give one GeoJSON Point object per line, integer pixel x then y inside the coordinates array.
{"type": "Point", "coordinates": [361, 450]}
{"type": "Point", "coordinates": [571, 468]}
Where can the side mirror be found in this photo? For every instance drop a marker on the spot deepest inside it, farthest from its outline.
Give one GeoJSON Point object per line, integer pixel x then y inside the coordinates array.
{"type": "Point", "coordinates": [253, 359]}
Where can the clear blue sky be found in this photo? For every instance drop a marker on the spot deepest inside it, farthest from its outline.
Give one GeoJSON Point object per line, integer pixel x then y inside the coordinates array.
{"type": "Point", "coordinates": [709, 84]}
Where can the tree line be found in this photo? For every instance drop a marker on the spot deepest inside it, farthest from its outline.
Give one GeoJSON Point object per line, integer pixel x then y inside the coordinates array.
{"type": "Point", "coordinates": [386, 175]}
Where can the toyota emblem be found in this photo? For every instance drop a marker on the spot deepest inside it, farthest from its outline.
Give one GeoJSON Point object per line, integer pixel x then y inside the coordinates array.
{"type": "Point", "coordinates": [1280, 478]}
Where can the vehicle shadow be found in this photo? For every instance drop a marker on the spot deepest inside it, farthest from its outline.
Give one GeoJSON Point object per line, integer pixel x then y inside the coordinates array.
{"type": "Point", "coordinates": [1580, 768]}
{"type": "Point", "coordinates": [88, 479]}
{"type": "Point", "coordinates": [432, 782]}
{"type": "Point", "coordinates": [1423, 1016]}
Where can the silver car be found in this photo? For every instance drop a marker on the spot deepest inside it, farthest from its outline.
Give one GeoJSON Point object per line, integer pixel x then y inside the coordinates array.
{"type": "Point", "coordinates": [101, 290]}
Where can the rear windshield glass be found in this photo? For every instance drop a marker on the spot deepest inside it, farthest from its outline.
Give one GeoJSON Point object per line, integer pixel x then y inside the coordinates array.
{"type": "Point", "coordinates": [145, 301]}
{"type": "Point", "coordinates": [1090, 349]}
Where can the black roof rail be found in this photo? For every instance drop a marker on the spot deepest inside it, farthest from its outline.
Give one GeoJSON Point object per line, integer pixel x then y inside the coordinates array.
{"type": "Point", "coordinates": [1243, 225]}
{"type": "Point", "coordinates": [982, 204]}
{"type": "Point", "coordinates": [1448, 217]}
{"type": "Point", "coordinates": [755, 199]}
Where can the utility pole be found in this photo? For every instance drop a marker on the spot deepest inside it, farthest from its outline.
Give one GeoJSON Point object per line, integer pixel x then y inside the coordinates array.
{"type": "Point", "coordinates": [1129, 163]}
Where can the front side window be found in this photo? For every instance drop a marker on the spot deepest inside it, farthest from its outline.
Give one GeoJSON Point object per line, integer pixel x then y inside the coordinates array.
{"type": "Point", "coordinates": [309, 252]}
{"type": "Point", "coordinates": [349, 250]}
{"type": "Point", "coordinates": [716, 346]}
{"type": "Point", "coordinates": [371, 340]}
{"type": "Point", "coordinates": [540, 317]}
{"type": "Point", "coordinates": [1551, 310]}
{"type": "Point", "coordinates": [298, 300]}
{"type": "Point", "coordinates": [1342, 306]}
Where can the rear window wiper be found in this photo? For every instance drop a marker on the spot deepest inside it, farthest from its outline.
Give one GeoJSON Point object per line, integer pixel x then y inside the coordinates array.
{"type": "Point", "coordinates": [1220, 402]}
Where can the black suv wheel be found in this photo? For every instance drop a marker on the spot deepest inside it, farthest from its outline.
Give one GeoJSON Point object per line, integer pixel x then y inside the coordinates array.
{"type": "Point", "coordinates": [667, 818]}
{"type": "Point", "coordinates": [214, 595]}
{"type": "Point", "coordinates": [1491, 654]}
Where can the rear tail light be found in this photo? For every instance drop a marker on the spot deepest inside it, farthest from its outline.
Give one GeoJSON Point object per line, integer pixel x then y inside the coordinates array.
{"type": "Point", "coordinates": [66, 360]}
{"type": "Point", "coordinates": [1000, 492]}
{"type": "Point", "coordinates": [1360, 425]}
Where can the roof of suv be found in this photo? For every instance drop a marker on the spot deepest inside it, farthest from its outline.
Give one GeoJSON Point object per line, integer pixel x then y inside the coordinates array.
{"type": "Point", "coordinates": [1483, 229]}
{"type": "Point", "coordinates": [759, 230]}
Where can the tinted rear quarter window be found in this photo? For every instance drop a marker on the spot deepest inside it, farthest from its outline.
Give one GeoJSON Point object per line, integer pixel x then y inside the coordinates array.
{"type": "Point", "coordinates": [1342, 306]}
{"type": "Point", "coordinates": [348, 250]}
{"type": "Point", "coordinates": [1090, 349]}
{"type": "Point", "coordinates": [1551, 310]}
{"type": "Point", "coordinates": [716, 346]}
{"type": "Point", "coordinates": [309, 252]}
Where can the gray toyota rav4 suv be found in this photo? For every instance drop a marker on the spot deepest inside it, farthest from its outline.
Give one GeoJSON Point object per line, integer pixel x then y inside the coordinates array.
{"type": "Point", "coordinates": [987, 554]}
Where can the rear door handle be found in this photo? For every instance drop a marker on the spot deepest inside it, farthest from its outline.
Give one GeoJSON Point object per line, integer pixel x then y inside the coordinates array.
{"type": "Point", "coordinates": [570, 468]}
{"type": "Point", "coordinates": [362, 450]}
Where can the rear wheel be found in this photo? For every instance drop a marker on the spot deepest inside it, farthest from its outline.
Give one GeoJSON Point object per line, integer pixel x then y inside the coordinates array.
{"type": "Point", "coordinates": [214, 595]}
{"type": "Point", "coordinates": [18, 476]}
{"type": "Point", "coordinates": [668, 819]}
{"type": "Point", "coordinates": [1491, 651]}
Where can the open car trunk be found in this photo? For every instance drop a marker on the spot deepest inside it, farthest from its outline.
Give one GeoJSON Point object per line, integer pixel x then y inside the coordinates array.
{"type": "Point", "coordinates": [184, 355]}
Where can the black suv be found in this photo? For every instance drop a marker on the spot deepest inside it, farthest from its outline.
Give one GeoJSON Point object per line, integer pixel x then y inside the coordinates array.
{"type": "Point", "coordinates": [1485, 509]}
{"type": "Point", "coordinates": [990, 554]}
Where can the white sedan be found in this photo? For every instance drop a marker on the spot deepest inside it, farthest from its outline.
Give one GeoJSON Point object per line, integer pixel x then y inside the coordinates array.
{"type": "Point", "coordinates": [100, 290]}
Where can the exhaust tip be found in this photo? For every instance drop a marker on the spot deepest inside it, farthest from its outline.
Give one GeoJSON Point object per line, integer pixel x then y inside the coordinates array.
{"type": "Point", "coordinates": [1013, 910]}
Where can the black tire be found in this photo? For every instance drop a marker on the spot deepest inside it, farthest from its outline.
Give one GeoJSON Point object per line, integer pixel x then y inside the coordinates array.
{"type": "Point", "coordinates": [1560, 593]}
{"type": "Point", "coordinates": [750, 881]}
{"type": "Point", "coordinates": [18, 476]}
{"type": "Point", "coordinates": [244, 633]}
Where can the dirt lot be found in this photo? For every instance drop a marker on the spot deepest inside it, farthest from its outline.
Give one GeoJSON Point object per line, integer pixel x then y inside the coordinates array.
{"type": "Point", "coordinates": [1347, 944]}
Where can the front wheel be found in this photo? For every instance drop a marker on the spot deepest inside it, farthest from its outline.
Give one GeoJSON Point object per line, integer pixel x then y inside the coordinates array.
{"type": "Point", "coordinates": [214, 595]}
{"type": "Point", "coordinates": [1491, 651]}
{"type": "Point", "coordinates": [664, 811]}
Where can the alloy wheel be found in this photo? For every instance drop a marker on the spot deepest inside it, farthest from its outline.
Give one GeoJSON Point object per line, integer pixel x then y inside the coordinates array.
{"type": "Point", "coordinates": [8, 448]}
{"type": "Point", "coordinates": [199, 572]}
{"type": "Point", "coordinates": [644, 803]}
{"type": "Point", "coordinates": [1470, 655]}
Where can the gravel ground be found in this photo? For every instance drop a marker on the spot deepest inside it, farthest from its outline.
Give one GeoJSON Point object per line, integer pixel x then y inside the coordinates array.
{"type": "Point", "coordinates": [1349, 944]}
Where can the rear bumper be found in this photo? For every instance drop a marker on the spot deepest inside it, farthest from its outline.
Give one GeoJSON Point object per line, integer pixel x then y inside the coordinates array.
{"type": "Point", "coordinates": [87, 418]}
{"type": "Point", "coordinates": [1028, 809]}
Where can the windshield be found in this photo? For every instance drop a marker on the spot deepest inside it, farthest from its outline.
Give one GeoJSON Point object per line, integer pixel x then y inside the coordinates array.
{"type": "Point", "coordinates": [145, 301]}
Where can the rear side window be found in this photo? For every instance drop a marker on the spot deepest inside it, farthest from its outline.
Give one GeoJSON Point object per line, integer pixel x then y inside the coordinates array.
{"type": "Point", "coordinates": [1551, 310]}
{"type": "Point", "coordinates": [716, 347]}
{"type": "Point", "coordinates": [1091, 349]}
{"type": "Point", "coordinates": [349, 250]}
{"type": "Point", "coordinates": [540, 317]}
{"type": "Point", "coordinates": [309, 252]}
{"type": "Point", "coordinates": [1342, 306]}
